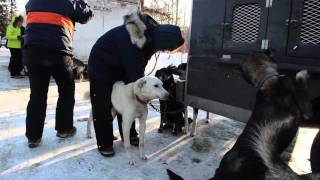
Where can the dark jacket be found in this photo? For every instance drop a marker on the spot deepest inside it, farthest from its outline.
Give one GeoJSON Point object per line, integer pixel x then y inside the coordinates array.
{"type": "Point", "coordinates": [55, 36]}
{"type": "Point", "coordinates": [123, 52]}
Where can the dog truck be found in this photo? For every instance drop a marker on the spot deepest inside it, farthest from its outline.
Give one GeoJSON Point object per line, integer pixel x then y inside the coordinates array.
{"type": "Point", "coordinates": [223, 32]}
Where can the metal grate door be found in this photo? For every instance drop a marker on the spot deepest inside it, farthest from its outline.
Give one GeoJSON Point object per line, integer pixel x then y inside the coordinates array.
{"type": "Point", "coordinates": [304, 29]}
{"type": "Point", "coordinates": [245, 26]}
{"type": "Point", "coordinates": [245, 23]}
{"type": "Point", "coordinates": [310, 25]}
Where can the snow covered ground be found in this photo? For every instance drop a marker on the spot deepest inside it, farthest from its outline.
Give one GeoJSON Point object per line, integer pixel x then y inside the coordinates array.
{"type": "Point", "coordinates": [77, 158]}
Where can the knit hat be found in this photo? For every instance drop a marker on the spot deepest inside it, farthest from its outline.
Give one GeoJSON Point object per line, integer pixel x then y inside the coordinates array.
{"type": "Point", "coordinates": [167, 37]}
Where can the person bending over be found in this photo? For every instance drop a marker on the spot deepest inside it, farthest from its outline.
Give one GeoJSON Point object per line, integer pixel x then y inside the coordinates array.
{"type": "Point", "coordinates": [122, 54]}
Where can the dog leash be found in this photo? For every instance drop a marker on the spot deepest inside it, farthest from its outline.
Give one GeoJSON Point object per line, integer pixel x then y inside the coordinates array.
{"type": "Point", "coordinates": [153, 107]}
{"type": "Point", "coordinates": [170, 112]}
{"type": "Point", "coordinates": [157, 55]}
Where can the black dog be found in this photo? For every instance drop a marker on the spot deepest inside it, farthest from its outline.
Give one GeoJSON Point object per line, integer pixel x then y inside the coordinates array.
{"type": "Point", "coordinates": [281, 102]}
{"type": "Point", "coordinates": [171, 110]}
{"type": "Point", "coordinates": [181, 71]}
{"type": "Point", "coordinates": [80, 70]}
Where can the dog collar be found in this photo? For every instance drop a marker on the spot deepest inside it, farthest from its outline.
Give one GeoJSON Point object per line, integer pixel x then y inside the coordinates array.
{"type": "Point", "coordinates": [141, 101]}
{"type": "Point", "coordinates": [265, 78]}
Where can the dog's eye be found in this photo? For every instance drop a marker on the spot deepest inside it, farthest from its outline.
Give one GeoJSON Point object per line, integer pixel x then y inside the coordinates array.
{"type": "Point", "coordinates": [156, 86]}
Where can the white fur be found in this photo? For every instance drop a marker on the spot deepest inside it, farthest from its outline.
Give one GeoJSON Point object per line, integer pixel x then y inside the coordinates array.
{"type": "Point", "coordinates": [136, 29]}
{"type": "Point", "coordinates": [125, 102]}
{"type": "Point", "coordinates": [302, 75]}
{"type": "Point", "coordinates": [262, 141]}
{"type": "Point", "coordinates": [194, 121]}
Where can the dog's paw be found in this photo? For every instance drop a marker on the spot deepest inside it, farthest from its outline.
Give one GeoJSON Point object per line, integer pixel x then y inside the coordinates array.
{"type": "Point", "coordinates": [144, 157]}
{"type": "Point", "coordinates": [131, 162]}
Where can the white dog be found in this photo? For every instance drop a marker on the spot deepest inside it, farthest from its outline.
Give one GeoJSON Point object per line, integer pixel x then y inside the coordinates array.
{"type": "Point", "coordinates": [131, 102]}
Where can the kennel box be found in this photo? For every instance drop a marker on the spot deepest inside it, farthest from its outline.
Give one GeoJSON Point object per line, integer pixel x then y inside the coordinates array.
{"type": "Point", "coordinates": [223, 32]}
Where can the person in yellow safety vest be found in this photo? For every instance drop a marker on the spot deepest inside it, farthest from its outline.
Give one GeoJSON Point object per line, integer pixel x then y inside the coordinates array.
{"type": "Point", "coordinates": [14, 35]}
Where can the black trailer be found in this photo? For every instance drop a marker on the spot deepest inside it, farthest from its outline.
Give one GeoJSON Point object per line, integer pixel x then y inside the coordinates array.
{"type": "Point", "coordinates": [223, 32]}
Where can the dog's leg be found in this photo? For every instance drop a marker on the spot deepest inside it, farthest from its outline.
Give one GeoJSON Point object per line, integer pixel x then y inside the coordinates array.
{"type": "Point", "coordinates": [207, 117]}
{"type": "Point", "coordinates": [186, 120]}
{"type": "Point", "coordinates": [160, 130]}
{"type": "Point", "coordinates": [89, 124]}
{"type": "Point", "coordinates": [81, 78]}
{"type": "Point", "coordinates": [142, 130]}
{"type": "Point", "coordinates": [195, 121]}
{"type": "Point", "coordinates": [126, 125]}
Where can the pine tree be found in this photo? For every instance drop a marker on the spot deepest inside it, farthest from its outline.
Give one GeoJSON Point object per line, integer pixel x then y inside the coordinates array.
{"type": "Point", "coordinates": [4, 16]}
{"type": "Point", "coordinates": [8, 8]}
{"type": "Point", "coordinates": [13, 7]}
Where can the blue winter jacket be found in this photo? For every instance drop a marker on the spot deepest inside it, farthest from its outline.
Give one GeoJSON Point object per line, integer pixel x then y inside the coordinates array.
{"type": "Point", "coordinates": [123, 52]}
{"type": "Point", "coordinates": [115, 57]}
{"type": "Point", "coordinates": [55, 36]}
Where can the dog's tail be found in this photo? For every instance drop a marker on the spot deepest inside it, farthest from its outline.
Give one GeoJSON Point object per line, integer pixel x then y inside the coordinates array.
{"type": "Point", "coordinates": [86, 95]}
{"type": "Point", "coordinates": [263, 141]}
{"type": "Point", "coordinates": [173, 176]}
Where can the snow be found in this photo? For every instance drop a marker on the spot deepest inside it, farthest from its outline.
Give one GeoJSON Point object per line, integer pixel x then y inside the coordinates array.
{"type": "Point", "coordinates": [78, 158]}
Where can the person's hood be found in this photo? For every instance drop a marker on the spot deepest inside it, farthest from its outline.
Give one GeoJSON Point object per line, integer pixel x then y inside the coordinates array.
{"type": "Point", "coordinates": [167, 37]}
{"type": "Point", "coordinates": [136, 29]}
{"type": "Point", "coordinates": [143, 29]}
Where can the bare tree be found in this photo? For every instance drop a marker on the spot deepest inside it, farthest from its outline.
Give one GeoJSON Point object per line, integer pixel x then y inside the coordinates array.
{"type": "Point", "coordinates": [141, 5]}
{"type": "Point", "coordinates": [177, 11]}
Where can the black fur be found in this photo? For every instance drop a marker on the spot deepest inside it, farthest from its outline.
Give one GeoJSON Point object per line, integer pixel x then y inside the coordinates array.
{"type": "Point", "coordinates": [315, 154]}
{"type": "Point", "coordinates": [315, 149]}
{"type": "Point", "coordinates": [181, 71]}
{"type": "Point", "coordinates": [173, 176]}
{"type": "Point", "coordinates": [80, 70]}
{"type": "Point", "coordinates": [171, 110]}
{"type": "Point", "coordinates": [279, 98]}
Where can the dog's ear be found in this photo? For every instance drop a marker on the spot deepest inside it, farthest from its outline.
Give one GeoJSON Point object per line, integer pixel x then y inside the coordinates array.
{"type": "Point", "coordinates": [183, 66]}
{"type": "Point", "coordinates": [141, 83]}
{"type": "Point", "coordinates": [157, 74]}
{"type": "Point", "coordinates": [174, 70]}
